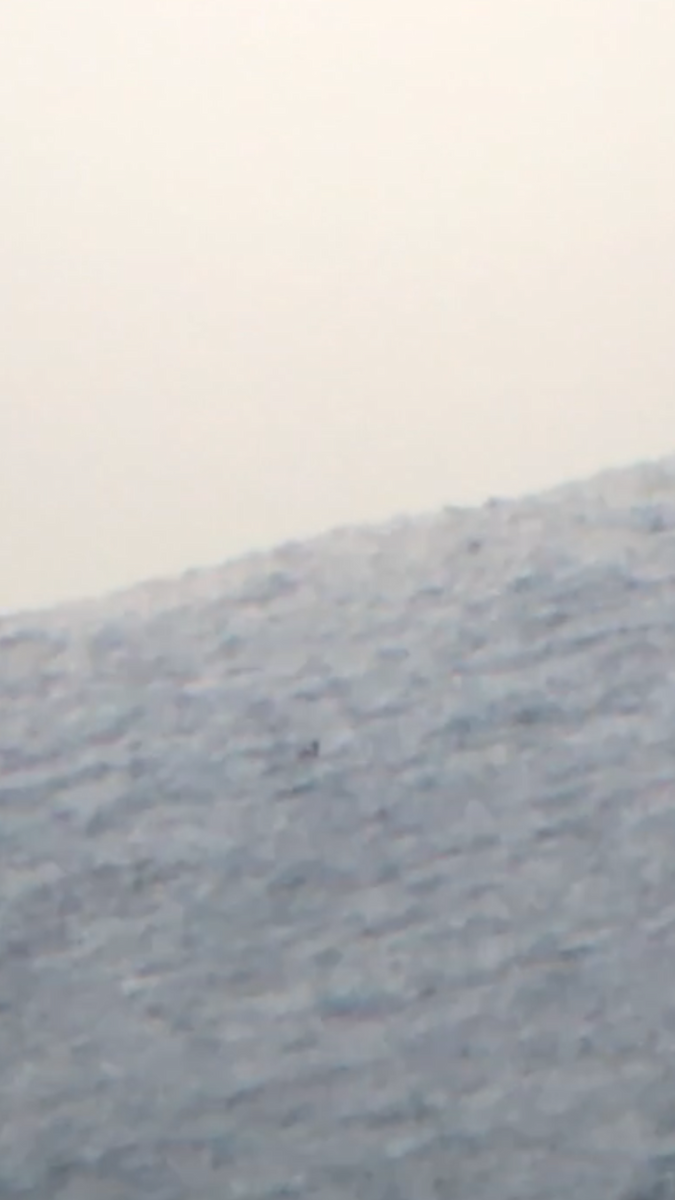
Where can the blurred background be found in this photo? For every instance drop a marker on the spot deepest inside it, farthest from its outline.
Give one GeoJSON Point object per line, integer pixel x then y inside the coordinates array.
{"type": "Point", "coordinates": [272, 266]}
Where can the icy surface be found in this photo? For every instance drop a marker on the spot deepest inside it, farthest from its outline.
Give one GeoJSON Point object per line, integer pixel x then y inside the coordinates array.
{"type": "Point", "coordinates": [435, 961]}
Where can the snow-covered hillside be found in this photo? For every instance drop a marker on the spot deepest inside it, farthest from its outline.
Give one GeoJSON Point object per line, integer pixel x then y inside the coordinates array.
{"type": "Point", "coordinates": [434, 961]}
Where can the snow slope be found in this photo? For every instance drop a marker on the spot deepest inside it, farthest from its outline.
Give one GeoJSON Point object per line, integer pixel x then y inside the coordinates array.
{"type": "Point", "coordinates": [437, 960]}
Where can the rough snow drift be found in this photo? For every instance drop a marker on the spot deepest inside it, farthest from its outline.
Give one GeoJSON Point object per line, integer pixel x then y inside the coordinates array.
{"type": "Point", "coordinates": [435, 960]}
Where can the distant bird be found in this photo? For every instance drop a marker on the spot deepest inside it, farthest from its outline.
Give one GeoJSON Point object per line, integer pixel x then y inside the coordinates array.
{"type": "Point", "coordinates": [311, 750]}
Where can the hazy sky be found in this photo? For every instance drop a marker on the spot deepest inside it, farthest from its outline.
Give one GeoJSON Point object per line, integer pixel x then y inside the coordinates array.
{"type": "Point", "coordinates": [269, 266]}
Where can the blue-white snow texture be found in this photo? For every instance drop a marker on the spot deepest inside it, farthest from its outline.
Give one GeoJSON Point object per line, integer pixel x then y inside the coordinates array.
{"type": "Point", "coordinates": [437, 962]}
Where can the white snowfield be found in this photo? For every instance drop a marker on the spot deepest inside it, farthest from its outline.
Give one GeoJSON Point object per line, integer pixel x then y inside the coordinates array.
{"type": "Point", "coordinates": [432, 958]}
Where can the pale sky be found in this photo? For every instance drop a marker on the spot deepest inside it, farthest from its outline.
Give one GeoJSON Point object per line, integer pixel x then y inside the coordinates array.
{"type": "Point", "coordinates": [272, 266]}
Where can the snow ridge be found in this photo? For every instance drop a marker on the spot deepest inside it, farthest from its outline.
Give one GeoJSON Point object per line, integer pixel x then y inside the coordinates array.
{"type": "Point", "coordinates": [348, 870]}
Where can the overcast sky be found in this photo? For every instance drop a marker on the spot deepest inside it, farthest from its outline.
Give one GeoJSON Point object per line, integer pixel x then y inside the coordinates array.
{"type": "Point", "coordinates": [272, 266]}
